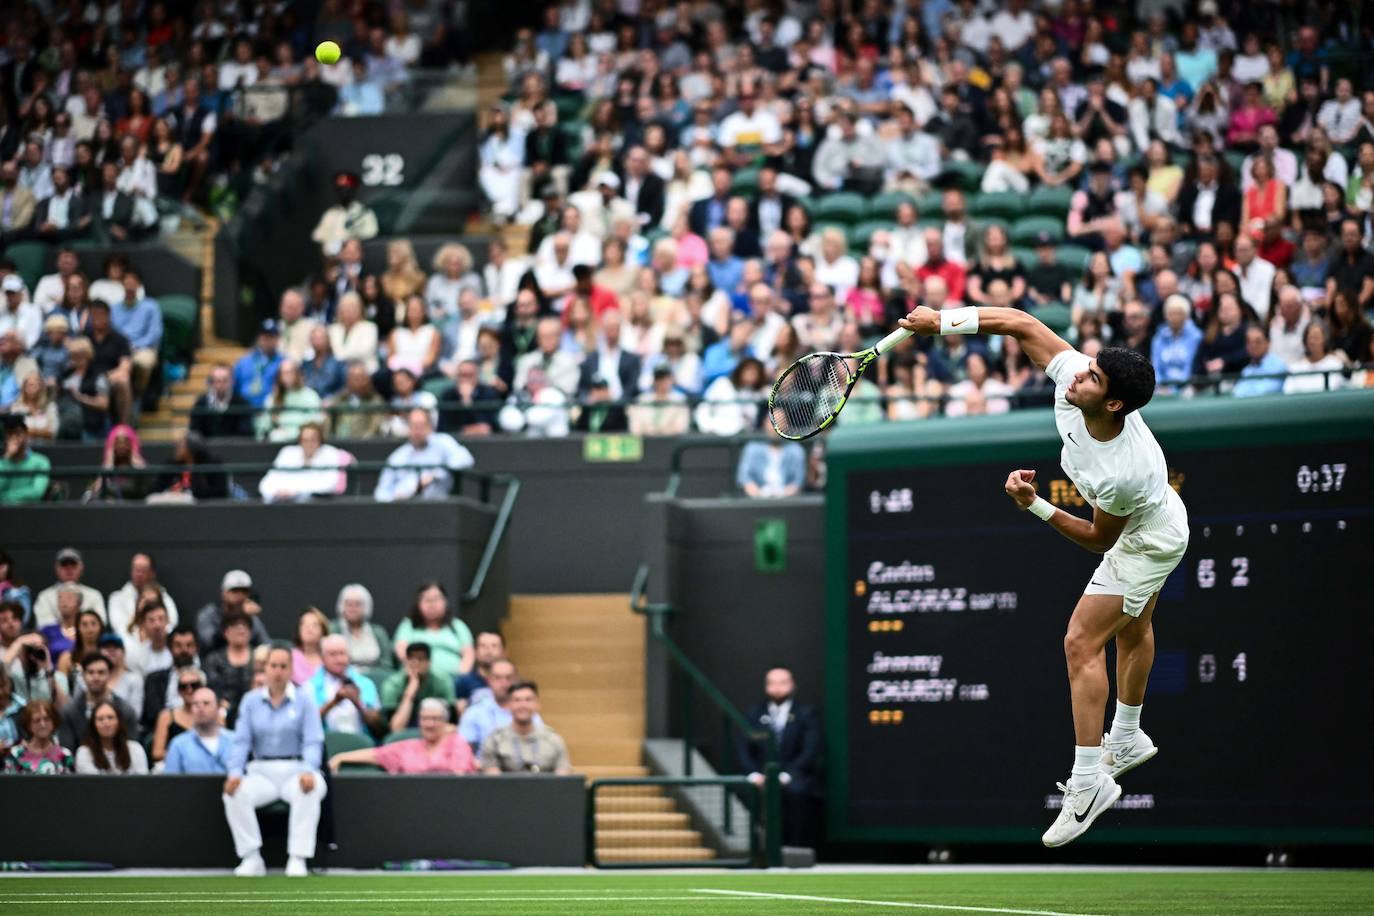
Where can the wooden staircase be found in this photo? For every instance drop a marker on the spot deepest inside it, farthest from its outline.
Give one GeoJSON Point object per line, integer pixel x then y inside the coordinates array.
{"type": "Point", "coordinates": [586, 652]}
{"type": "Point", "coordinates": [172, 416]}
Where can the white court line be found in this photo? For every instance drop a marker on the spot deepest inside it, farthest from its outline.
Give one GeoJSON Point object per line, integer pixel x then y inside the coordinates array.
{"type": "Point", "coordinates": [220, 898]}
{"type": "Point", "coordinates": [890, 903]}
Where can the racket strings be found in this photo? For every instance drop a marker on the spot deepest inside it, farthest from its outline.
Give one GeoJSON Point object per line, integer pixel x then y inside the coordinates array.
{"type": "Point", "coordinates": [810, 394]}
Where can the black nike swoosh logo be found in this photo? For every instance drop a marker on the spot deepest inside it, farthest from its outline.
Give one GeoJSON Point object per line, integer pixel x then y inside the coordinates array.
{"type": "Point", "coordinates": [1084, 816]}
{"type": "Point", "coordinates": [1094, 582]}
{"type": "Point", "coordinates": [1072, 439]}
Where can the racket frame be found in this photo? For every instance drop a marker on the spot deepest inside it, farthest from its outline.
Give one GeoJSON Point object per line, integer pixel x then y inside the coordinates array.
{"type": "Point", "coordinates": [863, 357]}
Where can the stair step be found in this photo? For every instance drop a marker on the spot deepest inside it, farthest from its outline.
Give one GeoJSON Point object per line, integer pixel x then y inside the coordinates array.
{"type": "Point", "coordinates": [611, 645]}
{"type": "Point", "coordinates": [574, 701]}
{"type": "Point", "coordinates": [658, 839]}
{"type": "Point", "coordinates": [624, 752]}
{"type": "Point", "coordinates": [649, 820]}
{"type": "Point", "coordinates": [567, 604]}
{"type": "Point", "coordinates": [597, 725]}
{"type": "Point", "coordinates": [613, 771]}
{"type": "Point", "coordinates": [640, 792]}
{"type": "Point", "coordinates": [632, 804]}
{"type": "Point", "coordinates": [181, 401]}
{"type": "Point", "coordinates": [655, 854]}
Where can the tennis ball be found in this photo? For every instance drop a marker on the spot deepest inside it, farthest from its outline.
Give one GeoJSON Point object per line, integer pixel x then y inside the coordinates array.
{"type": "Point", "coordinates": [328, 52]}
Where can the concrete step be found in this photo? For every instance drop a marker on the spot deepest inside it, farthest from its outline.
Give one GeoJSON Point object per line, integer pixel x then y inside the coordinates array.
{"type": "Point", "coordinates": [581, 626]}
{"type": "Point", "coordinates": [659, 839]}
{"type": "Point", "coordinates": [595, 604]}
{"type": "Point", "coordinates": [649, 820]}
{"type": "Point", "coordinates": [640, 792]}
{"type": "Point", "coordinates": [614, 771]}
{"type": "Point", "coordinates": [632, 804]}
{"type": "Point", "coordinates": [573, 701]}
{"type": "Point", "coordinates": [597, 725]}
{"type": "Point", "coordinates": [621, 752]}
{"type": "Point", "coordinates": [610, 646]}
{"type": "Point", "coordinates": [558, 673]}
{"type": "Point", "coordinates": [655, 854]}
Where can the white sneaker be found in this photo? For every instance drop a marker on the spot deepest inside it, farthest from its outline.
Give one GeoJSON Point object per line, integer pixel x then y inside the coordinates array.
{"type": "Point", "coordinates": [1080, 808]}
{"type": "Point", "coordinates": [295, 868]}
{"type": "Point", "coordinates": [252, 866]}
{"type": "Point", "coordinates": [1120, 757]}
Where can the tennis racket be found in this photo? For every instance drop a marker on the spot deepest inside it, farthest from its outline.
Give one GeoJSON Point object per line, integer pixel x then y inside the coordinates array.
{"type": "Point", "coordinates": [810, 394]}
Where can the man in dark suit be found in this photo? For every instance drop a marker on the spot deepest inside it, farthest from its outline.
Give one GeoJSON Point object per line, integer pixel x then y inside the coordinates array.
{"type": "Point", "coordinates": [797, 729]}
{"type": "Point", "coordinates": [65, 214]}
{"type": "Point", "coordinates": [707, 214]}
{"type": "Point", "coordinates": [643, 189]}
{"type": "Point", "coordinates": [221, 412]}
{"type": "Point", "coordinates": [158, 687]}
{"type": "Point", "coordinates": [112, 209]}
{"type": "Point", "coordinates": [545, 148]}
{"type": "Point", "coordinates": [769, 207]}
{"type": "Point", "coordinates": [620, 370]}
{"type": "Point", "coordinates": [1208, 201]}
{"type": "Point", "coordinates": [469, 407]}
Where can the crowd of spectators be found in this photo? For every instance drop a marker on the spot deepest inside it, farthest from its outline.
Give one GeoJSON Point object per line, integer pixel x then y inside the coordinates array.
{"type": "Point", "coordinates": [110, 106]}
{"type": "Point", "coordinates": [130, 683]}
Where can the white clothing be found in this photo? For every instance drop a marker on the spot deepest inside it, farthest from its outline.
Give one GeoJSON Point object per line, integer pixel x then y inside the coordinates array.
{"type": "Point", "coordinates": [48, 292]}
{"type": "Point", "coordinates": [1286, 343]}
{"type": "Point", "coordinates": [759, 129]}
{"type": "Point", "coordinates": [1330, 364]}
{"type": "Point", "coordinates": [328, 477]}
{"type": "Point", "coordinates": [996, 394]}
{"type": "Point", "coordinates": [264, 782]}
{"type": "Point", "coordinates": [142, 659]}
{"type": "Point", "coordinates": [138, 761]}
{"type": "Point", "coordinates": [1126, 476]}
{"type": "Point", "coordinates": [410, 348]}
{"type": "Point", "coordinates": [358, 342]}
{"type": "Point", "coordinates": [725, 411]}
{"type": "Point", "coordinates": [503, 282]}
{"type": "Point", "coordinates": [124, 602]}
{"type": "Point", "coordinates": [26, 322]}
{"type": "Point", "coordinates": [841, 274]}
{"type": "Point", "coordinates": [45, 605]}
{"type": "Point", "coordinates": [1257, 285]}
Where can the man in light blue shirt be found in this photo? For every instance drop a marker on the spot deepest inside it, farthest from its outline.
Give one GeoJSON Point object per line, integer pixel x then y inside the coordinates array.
{"type": "Point", "coordinates": [279, 728]}
{"type": "Point", "coordinates": [421, 468]}
{"type": "Point", "coordinates": [138, 318]}
{"type": "Point", "coordinates": [205, 748]}
{"type": "Point", "coordinates": [1175, 345]}
{"type": "Point", "coordinates": [1265, 372]}
{"type": "Point", "coordinates": [490, 712]}
{"type": "Point", "coordinates": [347, 700]}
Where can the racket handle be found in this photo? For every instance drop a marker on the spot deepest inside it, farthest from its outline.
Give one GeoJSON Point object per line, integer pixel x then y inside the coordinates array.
{"type": "Point", "coordinates": [891, 340]}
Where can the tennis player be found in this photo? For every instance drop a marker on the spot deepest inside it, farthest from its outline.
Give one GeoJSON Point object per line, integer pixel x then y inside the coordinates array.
{"type": "Point", "coordinates": [1139, 525]}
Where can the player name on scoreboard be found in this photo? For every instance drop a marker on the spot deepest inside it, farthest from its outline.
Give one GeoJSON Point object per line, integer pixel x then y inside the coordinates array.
{"type": "Point", "coordinates": [951, 598]}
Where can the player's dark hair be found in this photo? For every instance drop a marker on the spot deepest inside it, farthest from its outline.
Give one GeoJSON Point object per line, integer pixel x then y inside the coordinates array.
{"type": "Point", "coordinates": [1130, 377]}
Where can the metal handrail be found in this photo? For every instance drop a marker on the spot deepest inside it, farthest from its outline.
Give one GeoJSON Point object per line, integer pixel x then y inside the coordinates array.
{"type": "Point", "coordinates": [497, 533]}
{"type": "Point", "coordinates": [657, 613]}
{"type": "Point", "coordinates": [675, 458]}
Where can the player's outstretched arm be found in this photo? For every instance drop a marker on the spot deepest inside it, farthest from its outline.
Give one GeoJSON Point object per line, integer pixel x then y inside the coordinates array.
{"type": "Point", "coordinates": [1038, 342]}
{"type": "Point", "coordinates": [1098, 535]}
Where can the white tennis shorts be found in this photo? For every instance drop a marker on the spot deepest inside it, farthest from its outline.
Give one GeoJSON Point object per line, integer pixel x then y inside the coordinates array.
{"type": "Point", "coordinates": [1137, 565]}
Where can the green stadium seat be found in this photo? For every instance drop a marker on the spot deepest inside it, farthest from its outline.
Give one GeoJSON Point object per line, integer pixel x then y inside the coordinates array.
{"type": "Point", "coordinates": [841, 207]}
{"type": "Point", "coordinates": [979, 225]}
{"type": "Point", "coordinates": [178, 328]}
{"type": "Point", "coordinates": [1005, 205]}
{"type": "Point", "coordinates": [884, 206]}
{"type": "Point", "coordinates": [339, 742]}
{"type": "Point", "coordinates": [1050, 202]}
{"type": "Point", "coordinates": [569, 105]}
{"type": "Point", "coordinates": [745, 182]}
{"type": "Point", "coordinates": [962, 174]}
{"type": "Point", "coordinates": [1026, 230]}
{"type": "Point", "coordinates": [1024, 256]}
{"type": "Point", "coordinates": [1074, 257]}
{"type": "Point", "coordinates": [1055, 315]}
{"type": "Point", "coordinates": [862, 234]}
{"type": "Point", "coordinates": [404, 734]}
{"type": "Point", "coordinates": [30, 258]}
{"type": "Point", "coordinates": [1235, 159]}
{"type": "Point", "coordinates": [437, 386]}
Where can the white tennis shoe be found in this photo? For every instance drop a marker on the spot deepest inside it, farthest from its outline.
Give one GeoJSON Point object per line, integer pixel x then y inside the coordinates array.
{"type": "Point", "coordinates": [1120, 757]}
{"type": "Point", "coordinates": [1080, 808]}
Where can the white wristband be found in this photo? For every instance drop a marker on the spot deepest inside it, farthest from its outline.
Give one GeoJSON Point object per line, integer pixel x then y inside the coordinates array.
{"type": "Point", "coordinates": [1042, 508]}
{"type": "Point", "coordinates": [959, 321]}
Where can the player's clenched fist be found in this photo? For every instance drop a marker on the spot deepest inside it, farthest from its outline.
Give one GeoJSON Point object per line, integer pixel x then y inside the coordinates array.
{"type": "Point", "coordinates": [922, 320]}
{"type": "Point", "coordinates": [1021, 487]}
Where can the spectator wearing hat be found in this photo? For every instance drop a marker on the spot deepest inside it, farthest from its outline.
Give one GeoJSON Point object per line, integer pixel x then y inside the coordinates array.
{"type": "Point", "coordinates": [422, 468]}
{"type": "Point", "coordinates": [276, 754]}
{"type": "Point", "coordinates": [111, 357]}
{"type": "Point", "coordinates": [221, 412]}
{"type": "Point", "coordinates": [123, 603]}
{"type": "Point", "coordinates": [32, 484]}
{"type": "Point", "coordinates": [236, 590]}
{"type": "Point", "coordinates": [348, 219]}
{"type": "Point", "coordinates": [69, 568]}
{"type": "Point", "coordinates": [404, 692]}
{"type": "Point", "coordinates": [437, 750]}
{"type": "Point", "coordinates": [17, 314]}
{"type": "Point", "coordinates": [76, 715]}
{"type": "Point", "coordinates": [526, 745]}
{"type": "Point", "coordinates": [255, 374]}
{"type": "Point", "coordinates": [203, 748]}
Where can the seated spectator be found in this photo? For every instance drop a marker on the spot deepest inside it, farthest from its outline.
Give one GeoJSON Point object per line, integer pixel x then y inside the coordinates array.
{"type": "Point", "coordinates": [422, 467]}
{"type": "Point", "coordinates": [404, 691]}
{"type": "Point", "coordinates": [76, 715]}
{"type": "Point", "coordinates": [17, 204]}
{"type": "Point", "coordinates": [369, 646]}
{"type": "Point", "coordinates": [125, 684]}
{"type": "Point", "coordinates": [84, 394]}
{"type": "Point", "coordinates": [1264, 373]}
{"type": "Point", "coordinates": [138, 318]}
{"type": "Point", "coordinates": [415, 343]}
{"type": "Point", "coordinates": [662, 409]}
{"type": "Point", "coordinates": [120, 480]}
{"type": "Point", "coordinates": [74, 636]}
{"type": "Point", "coordinates": [437, 750]}
{"type": "Point", "coordinates": [1350, 330]}
{"type": "Point", "coordinates": [994, 392]}
{"type": "Point", "coordinates": [17, 314]}
{"type": "Point", "coordinates": [526, 745]}
{"type": "Point", "coordinates": [201, 475]}
{"type": "Point", "coordinates": [1174, 349]}
{"type": "Point", "coordinates": [1319, 369]}
{"type": "Point", "coordinates": [559, 367]}
{"type": "Point", "coordinates": [148, 650]}
{"type": "Point", "coordinates": [38, 754]}
{"type": "Point", "coordinates": [347, 701]}
{"type": "Point", "coordinates": [106, 748]}
{"type": "Point", "coordinates": [291, 406]}
{"type": "Point", "coordinates": [221, 412]}
{"type": "Point", "coordinates": [296, 326]}
{"type": "Point", "coordinates": [229, 669]}
{"type": "Point", "coordinates": [347, 219]}
{"type": "Point", "coordinates": [469, 408]}
{"type": "Point", "coordinates": [255, 374]}
{"type": "Point", "coordinates": [352, 336]}
{"type": "Point", "coordinates": [358, 411]}
{"type": "Point", "coordinates": [51, 350]}
{"type": "Point", "coordinates": [308, 469]}
{"type": "Point", "coordinates": [406, 395]}
{"type": "Point", "coordinates": [123, 603]}
{"type": "Point", "coordinates": [161, 689]}
{"type": "Point", "coordinates": [236, 596]}
{"type": "Point", "coordinates": [490, 710]}
{"type": "Point", "coordinates": [323, 373]}
{"type": "Point", "coordinates": [174, 720]}
{"type": "Point", "coordinates": [471, 687]}
{"type": "Point", "coordinates": [307, 656]}
{"type": "Point", "coordinates": [204, 747]}
{"type": "Point", "coordinates": [12, 587]}
{"type": "Point", "coordinates": [11, 705]}
{"type": "Point", "coordinates": [32, 485]}
{"type": "Point", "coordinates": [279, 727]}
{"type": "Point", "coordinates": [1288, 326]}
{"type": "Point", "coordinates": [69, 568]}
{"type": "Point", "coordinates": [771, 469]}
{"type": "Point", "coordinates": [731, 404]}
{"type": "Point", "coordinates": [599, 413]}
{"type": "Point", "coordinates": [1223, 342]}
{"type": "Point", "coordinates": [431, 620]}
